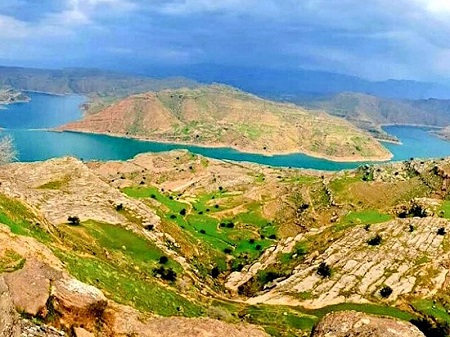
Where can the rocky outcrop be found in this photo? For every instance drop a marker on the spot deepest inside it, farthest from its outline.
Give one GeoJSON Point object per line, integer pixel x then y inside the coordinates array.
{"type": "Point", "coordinates": [125, 321]}
{"type": "Point", "coordinates": [357, 324]}
{"type": "Point", "coordinates": [8, 316]}
{"type": "Point", "coordinates": [77, 303]}
{"type": "Point", "coordinates": [30, 286]}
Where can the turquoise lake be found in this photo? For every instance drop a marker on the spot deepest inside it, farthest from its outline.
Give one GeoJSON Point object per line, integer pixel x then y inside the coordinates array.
{"type": "Point", "coordinates": [46, 111]}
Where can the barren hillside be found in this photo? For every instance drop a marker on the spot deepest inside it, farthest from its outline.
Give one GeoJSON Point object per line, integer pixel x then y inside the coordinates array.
{"type": "Point", "coordinates": [223, 116]}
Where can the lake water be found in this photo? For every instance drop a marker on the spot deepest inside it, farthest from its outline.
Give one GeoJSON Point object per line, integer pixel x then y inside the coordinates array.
{"type": "Point", "coordinates": [46, 111]}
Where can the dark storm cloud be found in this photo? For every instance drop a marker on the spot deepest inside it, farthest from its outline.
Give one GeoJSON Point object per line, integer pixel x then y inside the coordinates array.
{"type": "Point", "coordinates": [375, 38]}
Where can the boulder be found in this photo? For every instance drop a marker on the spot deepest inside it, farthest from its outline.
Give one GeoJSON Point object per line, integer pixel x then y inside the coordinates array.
{"type": "Point", "coordinates": [358, 324]}
{"type": "Point", "coordinates": [8, 316]}
{"type": "Point", "coordinates": [77, 303]}
{"type": "Point", "coordinates": [30, 286]}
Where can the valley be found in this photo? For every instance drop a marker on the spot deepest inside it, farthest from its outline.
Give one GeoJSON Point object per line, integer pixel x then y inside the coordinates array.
{"type": "Point", "coordinates": [241, 242]}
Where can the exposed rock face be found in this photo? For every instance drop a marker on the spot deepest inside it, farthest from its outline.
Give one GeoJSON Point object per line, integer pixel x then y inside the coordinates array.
{"type": "Point", "coordinates": [363, 270]}
{"type": "Point", "coordinates": [357, 324]}
{"type": "Point", "coordinates": [30, 329]}
{"type": "Point", "coordinates": [30, 286]}
{"type": "Point", "coordinates": [8, 316]}
{"type": "Point", "coordinates": [125, 321]}
{"type": "Point", "coordinates": [77, 302]}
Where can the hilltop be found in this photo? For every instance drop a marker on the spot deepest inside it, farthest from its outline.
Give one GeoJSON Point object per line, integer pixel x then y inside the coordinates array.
{"type": "Point", "coordinates": [179, 235]}
{"type": "Point", "coordinates": [226, 117]}
{"type": "Point", "coordinates": [369, 112]}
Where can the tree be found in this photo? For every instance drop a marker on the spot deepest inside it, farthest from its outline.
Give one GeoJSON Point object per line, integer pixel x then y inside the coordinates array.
{"type": "Point", "coordinates": [73, 220]}
{"type": "Point", "coordinates": [324, 270]}
{"type": "Point", "coordinates": [386, 291]}
{"type": "Point", "coordinates": [8, 153]}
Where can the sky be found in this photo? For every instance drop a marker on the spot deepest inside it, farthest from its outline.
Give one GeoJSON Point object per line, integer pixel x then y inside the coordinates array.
{"type": "Point", "coordinates": [374, 39]}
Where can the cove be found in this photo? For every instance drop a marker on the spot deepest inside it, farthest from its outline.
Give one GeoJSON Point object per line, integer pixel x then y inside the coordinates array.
{"type": "Point", "coordinates": [45, 111]}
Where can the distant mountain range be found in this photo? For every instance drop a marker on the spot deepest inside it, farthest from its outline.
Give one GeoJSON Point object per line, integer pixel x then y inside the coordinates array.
{"type": "Point", "coordinates": [85, 81]}
{"type": "Point", "coordinates": [292, 84]}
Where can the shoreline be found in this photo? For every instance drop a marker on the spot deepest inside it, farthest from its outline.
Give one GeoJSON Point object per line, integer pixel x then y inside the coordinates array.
{"type": "Point", "coordinates": [245, 151]}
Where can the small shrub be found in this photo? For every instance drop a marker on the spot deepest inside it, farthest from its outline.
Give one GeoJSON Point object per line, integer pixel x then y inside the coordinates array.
{"type": "Point", "coordinates": [202, 231]}
{"type": "Point", "coordinates": [163, 259]}
{"type": "Point", "coordinates": [222, 224]}
{"type": "Point", "coordinates": [411, 228]}
{"type": "Point", "coordinates": [183, 212]}
{"type": "Point", "coordinates": [375, 241]}
{"type": "Point", "coordinates": [119, 207]}
{"type": "Point", "coordinates": [167, 274]}
{"type": "Point", "coordinates": [227, 250]}
{"type": "Point", "coordinates": [273, 237]}
{"type": "Point", "coordinates": [367, 227]}
{"type": "Point", "coordinates": [215, 272]}
{"type": "Point", "coordinates": [74, 220]}
{"type": "Point", "coordinates": [258, 247]}
{"type": "Point", "coordinates": [216, 206]}
{"type": "Point", "coordinates": [230, 225]}
{"type": "Point", "coordinates": [149, 227]}
{"type": "Point", "coordinates": [386, 291]}
{"type": "Point", "coordinates": [441, 231]}
{"type": "Point", "coordinates": [173, 216]}
{"type": "Point", "coordinates": [153, 196]}
{"type": "Point", "coordinates": [251, 241]}
{"type": "Point", "coordinates": [324, 270]}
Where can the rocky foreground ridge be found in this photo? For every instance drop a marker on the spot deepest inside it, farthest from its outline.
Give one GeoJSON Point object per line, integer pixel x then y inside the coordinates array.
{"type": "Point", "coordinates": [177, 244]}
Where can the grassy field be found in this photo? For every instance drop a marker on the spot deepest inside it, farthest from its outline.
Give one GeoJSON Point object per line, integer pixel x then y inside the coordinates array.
{"type": "Point", "coordinates": [244, 235]}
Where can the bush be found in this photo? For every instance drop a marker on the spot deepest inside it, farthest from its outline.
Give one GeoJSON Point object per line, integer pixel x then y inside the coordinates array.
{"type": "Point", "coordinates": [375, 241]}
{"type": "Point", "coordinates": [324, 270]}
{"type": "Point", "coordinates": [167, 274]}
{"type": "Point", "coordinates": [258, 247]}
{"type": "Point", "coordinates": [273, 237]}
{"type": "Point", "coordinates": [441, 231]}
{"type": "Point", "coordinates": [230, 225]}
{"type": "Point", "coordinates": [173, 216]}
{"type": "Point", "coordinates": [251, 241]}
{"type": "Point", "coordinates": [227, 250]}
{"type": "Point", "coordinates": [183, 212]}
{"type": "Point", "coordinates": [149, 227]}
{"type": "Point", "coordinates": [119, 207]}
{"type": "Point", "coordinates": [202, 231]}
{"type": "Point", "coordinates": [163, 259]}
{"type": "Point", "coordinates": [215, 272]}
{"type": "Point", "coordinates": [74, 220]}
{"type": "Point", "coordinates": [386, 291]}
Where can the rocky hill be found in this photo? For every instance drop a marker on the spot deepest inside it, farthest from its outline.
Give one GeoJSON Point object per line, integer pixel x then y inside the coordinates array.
{"type": "Point", "coordinates": [9, 96]}
{"type": "Point", "coordinates": [177, 244]}
{"type": "Point", "coordinates": [223, 116]}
